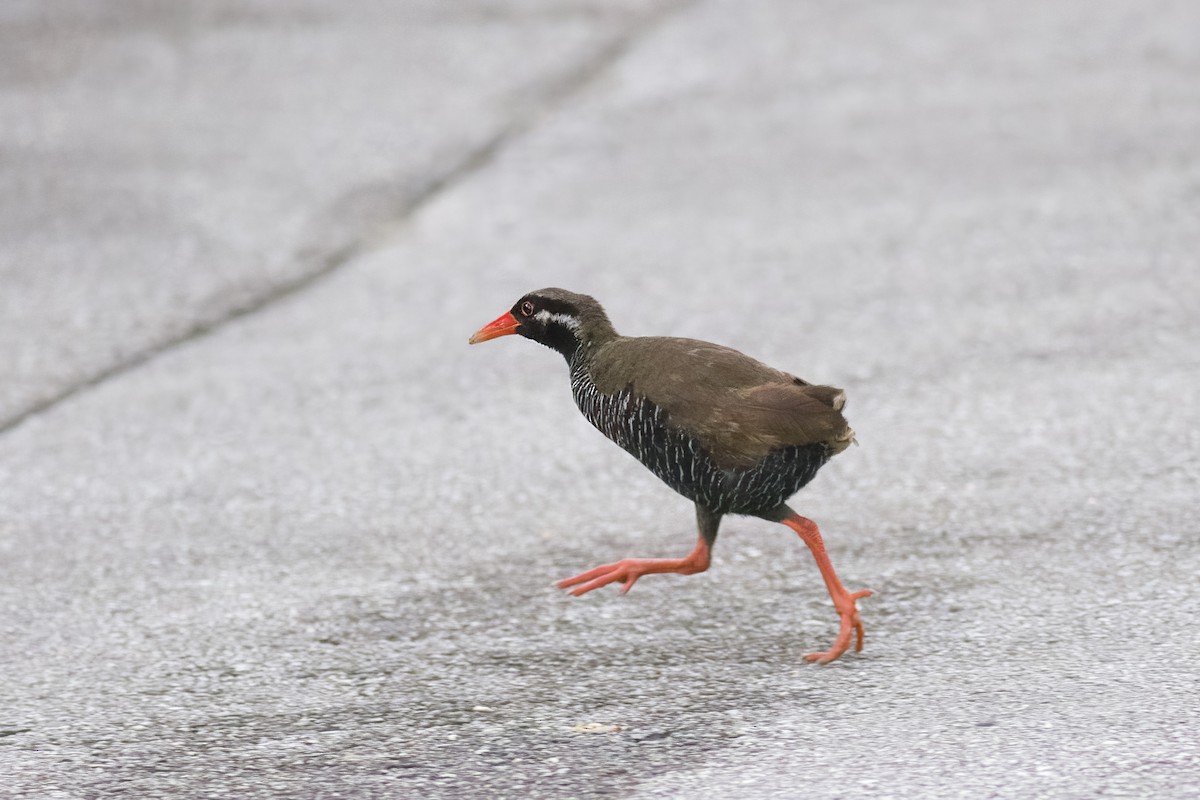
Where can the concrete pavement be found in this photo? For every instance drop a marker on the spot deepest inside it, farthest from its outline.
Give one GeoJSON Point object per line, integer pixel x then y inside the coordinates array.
{"type": "Point", "coordinates": [309, 552]}
{"type": "Point", "coordinates": [167, 167]}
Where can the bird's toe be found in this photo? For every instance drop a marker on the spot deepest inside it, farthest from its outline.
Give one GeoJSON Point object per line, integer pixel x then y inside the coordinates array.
{"type": "Point", "coordinates": [851, 624]}
{"type": "Point", "coordinates": [603, 575]}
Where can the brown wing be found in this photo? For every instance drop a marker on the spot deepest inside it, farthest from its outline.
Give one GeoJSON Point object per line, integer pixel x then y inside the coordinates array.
{"type": "Point", "coordinates": [738, 408]}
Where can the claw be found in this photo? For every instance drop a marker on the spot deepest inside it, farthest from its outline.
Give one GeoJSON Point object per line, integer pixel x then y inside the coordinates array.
{"type": "Point", "coordinates": [850, 621]}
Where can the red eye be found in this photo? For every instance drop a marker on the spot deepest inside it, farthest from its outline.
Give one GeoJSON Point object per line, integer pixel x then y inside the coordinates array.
{"type": "Point", "coordinates": [527, 308]}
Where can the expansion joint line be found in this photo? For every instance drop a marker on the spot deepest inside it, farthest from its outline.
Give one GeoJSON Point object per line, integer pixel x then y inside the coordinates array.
{"type": "Point", "coordinates": [556, 93]}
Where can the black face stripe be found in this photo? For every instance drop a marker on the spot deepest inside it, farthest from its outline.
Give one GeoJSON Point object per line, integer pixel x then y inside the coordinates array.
{"type": "Point", "coordinates": [550, 304]}
{"type": "Point", "coordinates": [553, 333]}
{"type": "Point", "coordinates": [559, 337]}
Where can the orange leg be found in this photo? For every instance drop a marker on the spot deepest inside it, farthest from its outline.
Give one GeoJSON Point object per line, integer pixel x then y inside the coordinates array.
{"type": "Point", "coordinates": [843, 600]}
{"type": "Point", "coordinates": [630, 569]}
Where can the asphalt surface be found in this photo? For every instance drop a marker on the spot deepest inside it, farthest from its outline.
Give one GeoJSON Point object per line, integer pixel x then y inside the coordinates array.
{"type": "Point", "coordinates": [269, 528]}
{"type": "Point", "coordinates": [170, 165]}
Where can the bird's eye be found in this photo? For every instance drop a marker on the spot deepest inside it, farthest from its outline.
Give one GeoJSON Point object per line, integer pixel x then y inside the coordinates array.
{"type": "Point", "coordinates": [527, 309]}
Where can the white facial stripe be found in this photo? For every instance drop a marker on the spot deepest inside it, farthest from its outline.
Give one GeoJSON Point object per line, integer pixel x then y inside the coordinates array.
{"type": "Point", "coordinates": [562, 319]}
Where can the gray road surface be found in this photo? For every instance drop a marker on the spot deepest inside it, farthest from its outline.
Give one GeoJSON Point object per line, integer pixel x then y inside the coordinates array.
{"type": "Point", "coordinates": [308, 553]}
{"type": "Point", "coordinates": [169, 165]}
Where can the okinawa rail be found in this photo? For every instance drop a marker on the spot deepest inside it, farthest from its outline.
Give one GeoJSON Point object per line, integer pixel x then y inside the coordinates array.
{"type": "Point", "coordinates": [727, 432]}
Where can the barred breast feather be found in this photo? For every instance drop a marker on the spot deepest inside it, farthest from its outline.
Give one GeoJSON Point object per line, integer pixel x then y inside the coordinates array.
{"type": "Point", "coordinates": [752, 482]}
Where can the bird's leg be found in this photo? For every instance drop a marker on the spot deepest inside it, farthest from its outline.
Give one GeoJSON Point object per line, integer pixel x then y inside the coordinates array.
{"type": "Point", "coordinates": [843, 600]}
{"type": "Point", "coordinates": [628, 570]}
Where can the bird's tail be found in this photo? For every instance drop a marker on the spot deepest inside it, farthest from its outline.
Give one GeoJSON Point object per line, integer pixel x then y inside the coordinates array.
{"type": "Point", "coordinates": [835, 398]}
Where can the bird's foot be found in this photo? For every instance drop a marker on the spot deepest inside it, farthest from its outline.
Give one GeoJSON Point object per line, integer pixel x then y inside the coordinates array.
{"type": "Point", "coordinates": [628, 570]}
{"type": "Point", "coordinates": [848, 611]}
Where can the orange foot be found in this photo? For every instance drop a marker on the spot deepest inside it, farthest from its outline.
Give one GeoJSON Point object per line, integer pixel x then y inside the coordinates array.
{"type": "Point", "coordinates": [624, 570]}
{"type": "Point", "coordinates": [848, 611]}
{"type": "Point", "coordinates": [628, 570]}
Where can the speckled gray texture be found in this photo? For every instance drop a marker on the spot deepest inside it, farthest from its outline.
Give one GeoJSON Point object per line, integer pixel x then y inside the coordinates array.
{"type": "Point", "coordinates": [310, 554]}
{"type": "Point", "coordinates": [165, 164]}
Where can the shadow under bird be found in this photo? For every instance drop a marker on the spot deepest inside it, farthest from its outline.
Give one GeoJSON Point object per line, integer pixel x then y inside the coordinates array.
{"type": "Point", "coordinates": [727, 432]}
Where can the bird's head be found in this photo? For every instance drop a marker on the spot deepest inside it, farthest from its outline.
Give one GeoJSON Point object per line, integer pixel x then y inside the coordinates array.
{"type": "Point", "coordinates": [559, 319]}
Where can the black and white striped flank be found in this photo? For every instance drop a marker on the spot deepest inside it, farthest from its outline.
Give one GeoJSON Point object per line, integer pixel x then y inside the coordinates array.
{"type": "Point", "coordinates": [642, 429]}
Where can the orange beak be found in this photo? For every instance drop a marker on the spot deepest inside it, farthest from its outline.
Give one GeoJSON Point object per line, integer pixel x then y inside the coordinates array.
{"type": "Point", "coordinates": [501, 326]}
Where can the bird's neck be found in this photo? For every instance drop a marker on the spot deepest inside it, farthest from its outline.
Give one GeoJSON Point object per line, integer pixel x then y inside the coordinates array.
{"type": "Point", "coordinates": [578, 345]}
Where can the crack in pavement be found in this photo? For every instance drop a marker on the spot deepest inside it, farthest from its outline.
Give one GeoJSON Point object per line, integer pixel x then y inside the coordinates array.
{"type": "Point", "coordinates": [556, 91]}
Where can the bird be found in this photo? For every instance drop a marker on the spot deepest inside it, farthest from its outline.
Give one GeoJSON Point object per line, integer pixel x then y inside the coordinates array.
{"type": "Point", "coordinates": [729, 433]}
